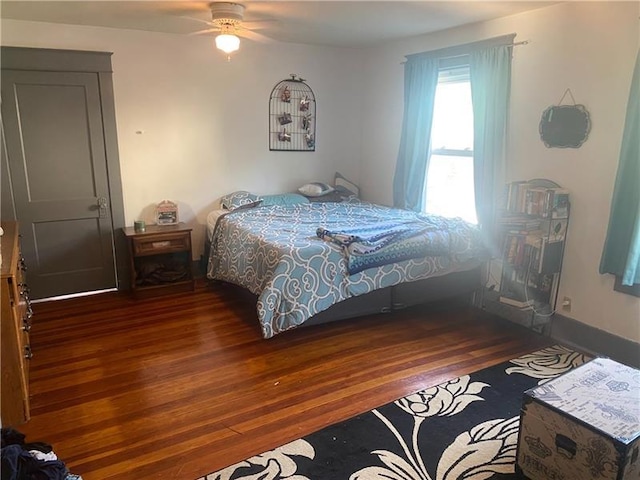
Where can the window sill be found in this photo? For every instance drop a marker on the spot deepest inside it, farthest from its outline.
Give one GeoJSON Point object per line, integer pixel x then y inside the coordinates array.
{"type": "Point", "coordinates": [629, 290]}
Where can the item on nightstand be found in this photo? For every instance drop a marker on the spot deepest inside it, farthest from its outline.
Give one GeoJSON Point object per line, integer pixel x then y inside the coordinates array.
{"type": "Point", "coordinates": [139, 226]}
{"type": "Point", "coordinates": [167, 213]}
{"type": "Point", "coordinates": [584, 425]}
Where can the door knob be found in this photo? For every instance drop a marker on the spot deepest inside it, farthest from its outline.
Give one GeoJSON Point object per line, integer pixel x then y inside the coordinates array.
{"type": "Point", "coordinates": [102, 206]}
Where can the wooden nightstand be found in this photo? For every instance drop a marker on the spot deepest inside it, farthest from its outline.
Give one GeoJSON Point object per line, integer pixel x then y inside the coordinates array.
{"type": "Point", "coordinates": [160, 259]}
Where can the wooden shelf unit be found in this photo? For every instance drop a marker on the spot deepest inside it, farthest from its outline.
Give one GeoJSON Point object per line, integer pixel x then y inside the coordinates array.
{"type": "Point", "coordinates": [524, 281]}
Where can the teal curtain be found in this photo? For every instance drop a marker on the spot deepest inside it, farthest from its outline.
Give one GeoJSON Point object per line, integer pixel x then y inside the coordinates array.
{"type": "Point", "coordinates": [490, 74]}
{"type": "Point", "coordinates": [420, 82]}
{"type": "Point", "coordinates": [621, 253]}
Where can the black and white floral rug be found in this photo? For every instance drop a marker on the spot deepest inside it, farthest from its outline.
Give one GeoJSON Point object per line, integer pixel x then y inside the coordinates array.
{"type": "Point", "coordinates": [463, 429]}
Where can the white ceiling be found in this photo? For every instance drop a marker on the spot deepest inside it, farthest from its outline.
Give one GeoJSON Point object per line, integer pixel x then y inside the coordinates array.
{"type": "Point", "coordinates": [336, 23]}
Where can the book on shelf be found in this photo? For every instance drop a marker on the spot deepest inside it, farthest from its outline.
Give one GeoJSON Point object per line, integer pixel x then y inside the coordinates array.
{"type": "Point", "coordinates": [522, 249]}
{"type": "Point", "coordinates": [515, 196]}
{"type": "Point", "coordinates": [519, 222]}
{"type": "Point", "coordinates": [534, 200]}
{"type": "Point", "coordinates": [515, 302]}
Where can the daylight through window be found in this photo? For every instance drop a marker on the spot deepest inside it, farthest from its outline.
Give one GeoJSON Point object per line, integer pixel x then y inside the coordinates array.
{"type": "Point", "coordinates": [449, 188]}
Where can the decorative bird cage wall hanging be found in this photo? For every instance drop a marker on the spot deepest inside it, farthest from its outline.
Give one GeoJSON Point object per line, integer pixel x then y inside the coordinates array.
{"type": "Point", "coordinates": [292, 116]}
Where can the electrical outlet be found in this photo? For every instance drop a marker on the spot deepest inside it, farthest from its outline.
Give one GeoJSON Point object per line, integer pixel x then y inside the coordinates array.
{"type": "Point", "coordinates": [566, 304]}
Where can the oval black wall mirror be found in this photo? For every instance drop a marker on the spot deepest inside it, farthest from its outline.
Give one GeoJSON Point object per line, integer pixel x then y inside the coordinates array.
{"type": "Point", "coordinates": [565, 126]}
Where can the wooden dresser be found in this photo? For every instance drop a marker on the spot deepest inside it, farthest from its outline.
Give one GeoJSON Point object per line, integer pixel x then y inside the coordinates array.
{"type": "Point", "coordinates": [15, 324]}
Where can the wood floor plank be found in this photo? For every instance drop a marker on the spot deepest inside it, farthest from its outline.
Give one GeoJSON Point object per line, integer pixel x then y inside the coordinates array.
{"type": "Point", "coordinates": [178, 386]}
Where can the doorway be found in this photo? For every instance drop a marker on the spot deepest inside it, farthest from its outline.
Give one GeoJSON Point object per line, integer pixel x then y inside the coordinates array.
{"type": "Point", "coordinates": [60, 158]}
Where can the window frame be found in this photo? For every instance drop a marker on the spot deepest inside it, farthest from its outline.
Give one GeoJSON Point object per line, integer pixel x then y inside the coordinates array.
{"type": "Point", "coordinates": [451, 70]}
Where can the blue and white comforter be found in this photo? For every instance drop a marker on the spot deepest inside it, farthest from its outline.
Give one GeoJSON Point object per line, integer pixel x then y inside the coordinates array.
{"type": "Point", "coordinates": [274, 252]}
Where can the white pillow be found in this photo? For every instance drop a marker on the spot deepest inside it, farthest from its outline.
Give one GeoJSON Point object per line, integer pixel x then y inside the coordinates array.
{"type": "Point", "coordinates": [315, 189]}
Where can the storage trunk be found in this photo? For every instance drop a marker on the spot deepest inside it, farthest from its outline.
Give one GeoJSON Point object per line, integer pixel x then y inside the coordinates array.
{"type": "Point", "coordinates": [583, 425]}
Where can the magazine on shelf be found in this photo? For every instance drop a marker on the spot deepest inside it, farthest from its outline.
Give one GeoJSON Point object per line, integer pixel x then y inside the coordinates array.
{"type": "Point", "coordinates": [516, 303]}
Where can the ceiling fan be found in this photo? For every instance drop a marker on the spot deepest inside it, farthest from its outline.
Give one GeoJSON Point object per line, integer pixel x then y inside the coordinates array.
{"type": "Point", "coordinates": [228, 19]}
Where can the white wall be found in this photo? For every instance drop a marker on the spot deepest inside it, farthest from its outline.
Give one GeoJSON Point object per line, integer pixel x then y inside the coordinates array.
{"type": "Point", "coordinates": [588, 47]}
{"type": "Point", "coordinates": [205, 120]}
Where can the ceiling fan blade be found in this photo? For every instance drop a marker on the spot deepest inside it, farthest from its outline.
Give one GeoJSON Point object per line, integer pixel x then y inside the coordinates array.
{"type": "Point", "coordinates": [206, 22]}
{"type": "Point", "coordinates": [257, 37]}
{"type": "Point", "coordinates": [258, 25]}
{"type": "Point", "coordinates": [204, 32]}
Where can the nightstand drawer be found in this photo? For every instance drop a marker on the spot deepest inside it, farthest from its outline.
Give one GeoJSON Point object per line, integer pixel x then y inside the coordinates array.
{"type": "Point", "coordinates": [165, 243]}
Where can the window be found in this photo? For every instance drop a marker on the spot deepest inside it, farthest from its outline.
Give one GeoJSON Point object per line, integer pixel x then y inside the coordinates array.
{"type": "Point", "coordinates": [449, 188]}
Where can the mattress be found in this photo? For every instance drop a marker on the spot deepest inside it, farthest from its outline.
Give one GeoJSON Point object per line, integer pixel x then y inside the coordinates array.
{"type": "Point", "coordinates": [212, 219]}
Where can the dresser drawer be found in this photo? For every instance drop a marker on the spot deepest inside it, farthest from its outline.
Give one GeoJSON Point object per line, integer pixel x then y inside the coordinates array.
{"type": "Point", "coordinates": [23, 315]}
{"type": "Point", "coordinates": [22, 335]}
{"type": "Point", "coordinates": [19, 295]}
{"type": "Point", "coordinates": [165, 243]}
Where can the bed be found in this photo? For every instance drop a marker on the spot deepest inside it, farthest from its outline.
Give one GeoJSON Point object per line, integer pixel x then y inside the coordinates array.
{"type": "Point", "coordinates": [288, 258]}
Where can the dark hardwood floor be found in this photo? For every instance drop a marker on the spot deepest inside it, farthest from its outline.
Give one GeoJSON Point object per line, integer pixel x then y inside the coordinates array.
{"type": "Point", "coordinates": [179, 386]}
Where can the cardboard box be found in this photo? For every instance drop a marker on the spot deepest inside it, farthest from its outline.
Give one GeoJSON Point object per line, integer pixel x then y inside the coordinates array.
{"type": "Point", "coordinates": [583, 425]}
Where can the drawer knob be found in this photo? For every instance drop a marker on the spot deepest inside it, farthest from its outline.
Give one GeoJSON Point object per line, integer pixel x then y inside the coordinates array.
{"type": "Point", "coordinates": [26, 325]}
{"type": "Point", "coordinates": [28, 354]}
{"type": "Point", "coordinates": [24, 290]}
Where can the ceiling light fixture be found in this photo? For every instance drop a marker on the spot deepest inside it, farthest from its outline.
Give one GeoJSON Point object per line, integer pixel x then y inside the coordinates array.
{"type": "Point", "coordinates": [228, 43]}
{"type": "Point", "coordinates": [227, 17]}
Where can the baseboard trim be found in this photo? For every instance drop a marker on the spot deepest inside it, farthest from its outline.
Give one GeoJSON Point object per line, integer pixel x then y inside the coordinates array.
{"type": "Point", "coordinates": [592, 340]}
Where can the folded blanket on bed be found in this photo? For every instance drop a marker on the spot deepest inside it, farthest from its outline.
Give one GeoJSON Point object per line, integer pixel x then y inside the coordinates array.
{"type": "Point", "coordinates": [389, 243]}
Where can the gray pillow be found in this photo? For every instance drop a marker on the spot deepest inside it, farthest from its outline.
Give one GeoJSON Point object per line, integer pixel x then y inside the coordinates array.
{"type": "Point", "coordinates": [341, 182]}
{"type": "Point", "coordinates": [238, 199]}
{"type": "Point", "coordinates": [334, 196]}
